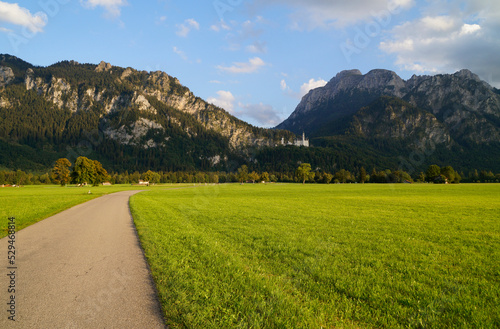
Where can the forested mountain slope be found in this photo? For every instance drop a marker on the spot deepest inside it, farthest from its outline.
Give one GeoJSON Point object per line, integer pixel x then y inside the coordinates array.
{"type": "Point", "coordinates": [128, 119]}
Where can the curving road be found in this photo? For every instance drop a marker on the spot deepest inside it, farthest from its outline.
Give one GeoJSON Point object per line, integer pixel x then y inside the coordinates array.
{"type": "Point", "coordinates": [82, 268]}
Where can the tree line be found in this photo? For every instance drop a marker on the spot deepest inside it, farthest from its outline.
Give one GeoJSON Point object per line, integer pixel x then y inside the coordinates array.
{"type": "Point", "coordinates": [87, 171]}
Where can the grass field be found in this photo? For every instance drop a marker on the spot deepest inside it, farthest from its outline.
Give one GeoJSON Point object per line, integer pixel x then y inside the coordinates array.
{"type": "Point", "coordinates": [31, 204]}
{"type": "Point", "coordinates": [318, 256]}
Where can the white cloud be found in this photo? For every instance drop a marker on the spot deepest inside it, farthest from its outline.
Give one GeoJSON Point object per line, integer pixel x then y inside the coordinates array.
{"type": "Point", "coordinates": [284, 85]}
{"type": "Point", "coordinates": [263, 114]}
{"type": "Point", "coordinates": [252, 66]}
{"type": "Point", "coordinates": [326, 13]}
{"type": "Point", "coordinates": [469, 29]}
{"type": "Point", "coordinates": [257, 47]}
{"type": "Point", "coordinates": [437, 23]}
{"type": "Point", "coordinates": [185, 28]}
{"type": "Point", "coordinates": [225, 100]}
{"type": "Point", "coordinates": [161, 20]}
{"type": "Point", "coordinates": [464, 37]}
{"type": "Point", "coordinates": [304, 89]}
{"type": "Point", "coordinates": [221, 25]}
{"type": "Point", "coordinates": [13, 14]}
{"type": "Point", "coordinates": [246, 35]}
{"type": "Point", "coordinates": [311, 84]}
{"type": "Point", "coordinates": [112, 7]}
{"type": "Point", "coordinates": [180, 53]}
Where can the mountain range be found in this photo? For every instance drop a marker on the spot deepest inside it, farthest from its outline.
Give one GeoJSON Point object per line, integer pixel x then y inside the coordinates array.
{"type": "Point", "coordinates": [137, 120]}
{"type": "Point", "coordinates": [128, 119]}
{"type": "Point", "coordinates": [452, 118]}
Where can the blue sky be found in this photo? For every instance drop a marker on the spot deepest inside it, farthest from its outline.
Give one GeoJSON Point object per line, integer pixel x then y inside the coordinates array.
{"type": "Point", "coordinates": [257, 58]}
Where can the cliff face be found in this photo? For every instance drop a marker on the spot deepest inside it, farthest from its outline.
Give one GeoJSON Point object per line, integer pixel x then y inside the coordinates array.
{"type": "Point", "coordinates": [144, 110]}
{"type": "Point", "coordinates": [6, 76]}
{"type": "Point", "coordinates": [392, 118]}
{"type": "Point", "coordinates": [467, 106]}
{"type": "Point", "coordinates": [159, 85]}
{"type": "Point", "coordinates": [460, 107]}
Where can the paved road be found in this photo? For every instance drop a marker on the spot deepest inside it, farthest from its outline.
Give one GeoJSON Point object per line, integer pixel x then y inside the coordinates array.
{"type": "Point", "coordinates": [82, 268]}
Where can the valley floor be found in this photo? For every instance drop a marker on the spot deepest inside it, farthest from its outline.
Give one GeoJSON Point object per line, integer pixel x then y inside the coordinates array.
{"type": "Point", "coordinates": [322, 256]}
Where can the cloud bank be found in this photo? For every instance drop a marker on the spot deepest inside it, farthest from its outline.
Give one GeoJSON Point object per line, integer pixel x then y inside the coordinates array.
{"type": "Point", "coordinates": [462, 38]}
{"type": "Point", "coordinates": [14, 14]}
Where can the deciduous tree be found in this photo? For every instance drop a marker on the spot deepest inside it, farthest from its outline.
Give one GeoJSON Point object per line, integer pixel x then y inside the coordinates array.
{"type": "Point", "coordinates": [304, 172]}
{"type": "Point", "coordinates": [432, 173]}
{"type": "Point", "coordinates": [242, 173]}
{"type": "Point", "coordinates": [343, 175]}
{"type": "Point", "coordinates": [148, 176]}
{"type": "Point", "coordinates": [101, 175]}
{"type": "Point", "coordinates": [449, 173]}
{"type": "Point", "coordinates": [84, 171]}
{"type": "Point", "coordinates": [61, 172]}
{"type": "Point", "coordinates": [362, 175]}
{"type": "Point", "coordinates": [253, 176]}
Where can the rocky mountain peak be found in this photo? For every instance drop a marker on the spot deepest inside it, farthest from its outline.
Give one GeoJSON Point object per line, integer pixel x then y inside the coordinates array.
{"type": "Point", "coordinates": [387, 81]}
{"type": "Point", "coordinates": [346, 73]}
{"type": "Point", "coordinates": [378, 79]}
{"type": "Point", "coordinates": [103, 67]}
{"type": "Point", "coordinates": [344, 79]}
{"type": "Point", "coordinates": [466, 74]}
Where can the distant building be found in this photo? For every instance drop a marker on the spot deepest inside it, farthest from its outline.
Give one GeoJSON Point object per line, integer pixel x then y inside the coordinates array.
{"type": "Point", "coordinates": [303, 142]}
{"type": "Point", "coordinates": [297, 142]}
{"type": "Point", "coordinates": [106, 184]}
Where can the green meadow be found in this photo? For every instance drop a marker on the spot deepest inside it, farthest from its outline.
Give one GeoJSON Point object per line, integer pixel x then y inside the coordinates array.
{"type": "Point", "coordinates": [324, 256]}
{"type": "Point", "coordinates": [31, 204]}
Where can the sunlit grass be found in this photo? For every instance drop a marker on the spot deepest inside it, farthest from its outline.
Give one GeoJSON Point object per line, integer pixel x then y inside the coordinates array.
{"type": "Point", "coordinates": [312, 256]}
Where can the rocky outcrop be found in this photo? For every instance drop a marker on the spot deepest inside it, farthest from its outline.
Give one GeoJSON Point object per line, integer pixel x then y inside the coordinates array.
{"type": "Point", "coordinates": [466, 106]}
{"type": "Point", "coordinates": [58, 91]}
{"type": "Point", "coordinates": [5, 103]}
{"type": "Point", "coordinates": [123, 102]}
{"type": "Point", "coordinates": [6, 76]}
{"type": "Point", "coordinates": [392, 118]}
{"type": "Point", "coordinates": [103, 67]}
{"type": "Point", "coordinates": [135, 133]}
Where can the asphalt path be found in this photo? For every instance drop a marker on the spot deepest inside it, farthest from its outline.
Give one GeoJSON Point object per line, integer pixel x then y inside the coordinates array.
{"type": "Point", "coordinates": [82, 268]}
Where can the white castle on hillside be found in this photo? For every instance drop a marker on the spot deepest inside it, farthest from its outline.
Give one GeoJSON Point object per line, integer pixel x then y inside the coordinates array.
{"type": "Point", "coordinates": [297, 142]}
